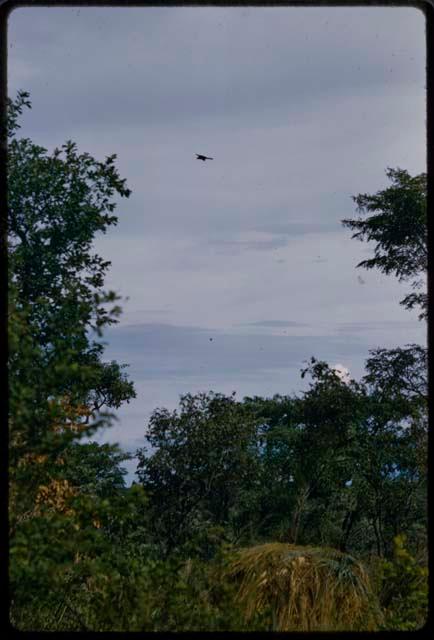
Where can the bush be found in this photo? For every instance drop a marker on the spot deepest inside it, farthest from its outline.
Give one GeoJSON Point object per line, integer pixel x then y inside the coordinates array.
{"type": "Point", "coordinates": [404, 590]}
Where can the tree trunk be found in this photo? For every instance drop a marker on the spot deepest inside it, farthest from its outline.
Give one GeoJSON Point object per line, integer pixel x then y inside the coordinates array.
{"type": "Point", "coordinates": [347, 526]}
{"type": "Point", "coordinates": [296, 520]}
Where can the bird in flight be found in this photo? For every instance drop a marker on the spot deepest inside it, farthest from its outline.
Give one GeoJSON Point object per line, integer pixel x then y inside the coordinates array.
{"type": "Point", "coordinates": [200, 157]}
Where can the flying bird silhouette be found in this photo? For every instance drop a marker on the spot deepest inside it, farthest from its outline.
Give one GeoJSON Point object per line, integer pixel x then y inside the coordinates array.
{"type": "Point", "coordinates": [200, 157]}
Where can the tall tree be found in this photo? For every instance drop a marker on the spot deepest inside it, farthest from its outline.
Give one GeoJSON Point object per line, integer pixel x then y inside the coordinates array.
{"type": "Point", "coordinates": [393, 489]}
{"type": "Point", "coordinates": [59, 386]}
{"type": "Point", "coordinates": [57, 203]}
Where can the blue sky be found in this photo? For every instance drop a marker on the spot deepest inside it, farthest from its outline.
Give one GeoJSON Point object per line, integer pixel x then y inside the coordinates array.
{"type": "Point", "coordinates": [236, 270]}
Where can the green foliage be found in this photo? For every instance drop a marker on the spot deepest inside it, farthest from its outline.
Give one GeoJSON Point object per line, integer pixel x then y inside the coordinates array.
{"type": "Point", "coordinates": [398, 227]}
{"type": "Point", "coordinates": [95, 469]}
{"type": "Point", "coordinates": [58, 385]}
{"type": "Point", "coordinates": [56, 205]}
{"type": "Point", "coordinates": [110, 386]}
{"type": "Point", "coordinates": [192, 595]}
{"type": "Point", "coordinates": [339, 465]}
{"type": "Point", "coordinates": [108, 587]}
{"type": "Point", "coordinates": [404, 590]}
{"type": "Point", "coordinates": [81, 561]}
{"type": "Point", "coordinates": [203, 466]}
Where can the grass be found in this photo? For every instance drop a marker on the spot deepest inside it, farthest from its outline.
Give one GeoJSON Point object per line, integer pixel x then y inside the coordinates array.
{"type": "Point", "coordinates": [304, 588]}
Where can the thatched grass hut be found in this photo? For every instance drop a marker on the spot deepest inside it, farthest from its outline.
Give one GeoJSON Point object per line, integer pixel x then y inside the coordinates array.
{"type": "Point", "coordinates": [304, 588]}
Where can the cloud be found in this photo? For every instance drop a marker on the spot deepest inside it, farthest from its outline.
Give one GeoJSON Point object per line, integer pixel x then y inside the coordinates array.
{"type": "Point", "coordinates": [379, 326]}
{"type": "Point", "coordinates": [165, 351]}
{"type": "Point", "coordinates": [274, 323]}
{"type": "Point", "coordinates": [277, 235]}
{"type": "Point", "coordinates": [170, 51]}
{"type": "Point", "coordinates": [342, 372]}
{"type": "Point", "coordinates": [235, 246]}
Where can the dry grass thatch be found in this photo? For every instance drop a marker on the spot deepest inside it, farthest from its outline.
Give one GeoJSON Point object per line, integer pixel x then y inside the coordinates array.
{"type": "Point", "coordinates": [304, 588]}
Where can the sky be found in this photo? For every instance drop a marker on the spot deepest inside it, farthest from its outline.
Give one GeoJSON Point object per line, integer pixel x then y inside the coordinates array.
{"type": "Point", "coordinates": [234, 271]}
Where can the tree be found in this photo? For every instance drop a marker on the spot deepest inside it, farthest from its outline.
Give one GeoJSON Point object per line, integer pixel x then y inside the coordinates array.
{"type": "Point", "coordinates": [395, 442]}
{"type": "Point", "coordinates": [343, 464]}
{"type": "Point", "coordinates": [56, 205]}
{"type": "Point", "coordinates": [306, 457]}
{"type": "Point", "coordinates": [392, 488]}
{"type": "Point", "coordinates": [398, 227]}
{"type": "Point", "coordinates": [279, 438]}
{"type": "Point", "coordinates": [60, 389]}
{"type": "Point", "coordinates": [203, 466]}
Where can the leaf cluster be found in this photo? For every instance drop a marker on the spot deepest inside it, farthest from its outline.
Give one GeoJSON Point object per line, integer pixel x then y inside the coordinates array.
{"type": "Point", "coordinates": [395, 220]}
